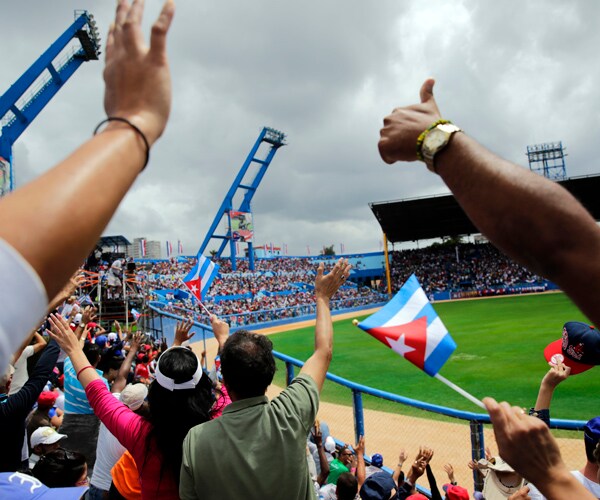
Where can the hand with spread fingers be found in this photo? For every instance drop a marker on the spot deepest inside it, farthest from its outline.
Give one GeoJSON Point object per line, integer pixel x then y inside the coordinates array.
{"type": "Point", "coordinates": [62, 333]}
{"type": "Point", "coordinates": [182, 332]}
{"type": "Point", "coordinates": [138, 82]}
{"type": "Point", "coordinates": [327, 284]}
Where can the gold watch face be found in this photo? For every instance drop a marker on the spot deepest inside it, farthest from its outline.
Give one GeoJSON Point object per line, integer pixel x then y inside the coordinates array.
{"type": "Point", "coordinates": [435, 140]}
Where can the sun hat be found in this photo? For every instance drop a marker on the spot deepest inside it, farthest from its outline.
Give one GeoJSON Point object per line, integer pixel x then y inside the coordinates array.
{"type": "Point", "coordinates": [377, 486]}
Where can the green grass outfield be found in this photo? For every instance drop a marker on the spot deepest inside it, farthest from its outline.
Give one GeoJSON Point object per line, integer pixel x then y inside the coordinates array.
{"type": "Point", "coordinates": [499, 354]}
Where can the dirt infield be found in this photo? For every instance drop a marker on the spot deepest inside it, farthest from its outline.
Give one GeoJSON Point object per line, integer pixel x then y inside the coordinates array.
{"type": "Point", "coordinates": [388, 433]}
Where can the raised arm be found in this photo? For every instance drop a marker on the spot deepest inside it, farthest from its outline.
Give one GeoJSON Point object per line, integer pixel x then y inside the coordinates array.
{"type": "Point", "coordinates": [325, 287]}
{"type": "Point", "coordinates": [138, 88]}
{"type": "Point", "coordinates": [121, 380]}
{"type": "Point", "coordinates": [557, 374]}
{"type": "Point", "coordinates": [529, 217]}
{"type": "Point", "coordinates": [220, 331]}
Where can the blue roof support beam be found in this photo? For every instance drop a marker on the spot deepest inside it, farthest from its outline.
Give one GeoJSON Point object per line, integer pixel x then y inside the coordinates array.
{"type": "Point", "coordinates": [275, 139]}
{"type": "Point", "coordinates": [26, 98]}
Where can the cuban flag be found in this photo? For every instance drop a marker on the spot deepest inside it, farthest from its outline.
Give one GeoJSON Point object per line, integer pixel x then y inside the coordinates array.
{"type": "Point", "coordinates": [179, 247]}
{"type": "Point", "coordinates": [143, 247]}
{"type": "Point", "coordinates": [169, 249]}
{"type": "Point", "coordinates": [409, 325]}
{"type": "Point", "coordinates": [201, 277]}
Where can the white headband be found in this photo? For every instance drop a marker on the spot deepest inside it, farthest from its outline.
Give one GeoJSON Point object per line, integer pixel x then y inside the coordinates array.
{"type": "Point", "coordinates": [169, 384]}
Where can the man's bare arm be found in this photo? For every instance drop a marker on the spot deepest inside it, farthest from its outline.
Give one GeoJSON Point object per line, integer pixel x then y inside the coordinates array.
{"type": "Point", "coordinates": [325, 287]}
{"type": "Point", "coordinates": [532, 219]}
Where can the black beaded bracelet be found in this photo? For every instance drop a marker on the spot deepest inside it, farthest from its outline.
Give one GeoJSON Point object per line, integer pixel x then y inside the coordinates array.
{"type": "Point", "coordinates": [134, 127]}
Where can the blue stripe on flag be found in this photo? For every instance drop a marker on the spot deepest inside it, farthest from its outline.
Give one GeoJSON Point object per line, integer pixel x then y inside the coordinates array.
{"type": "Point", "coordinates": [428, 311]}
{"type": "Point", "coordinates": [387, 312]}
{"type": "Point", "coordinates": [439, 355]}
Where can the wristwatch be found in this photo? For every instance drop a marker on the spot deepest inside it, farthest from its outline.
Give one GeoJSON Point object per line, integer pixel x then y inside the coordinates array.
{"type": "Point", "coordinates": [435, 141]}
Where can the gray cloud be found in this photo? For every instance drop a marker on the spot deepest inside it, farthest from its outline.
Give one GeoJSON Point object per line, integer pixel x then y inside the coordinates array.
{"type": "Point", "coordinates": [326, 73]}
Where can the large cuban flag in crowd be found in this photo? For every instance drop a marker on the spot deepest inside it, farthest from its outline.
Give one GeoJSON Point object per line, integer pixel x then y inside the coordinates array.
{"type": "Point", "coordinates": [409, 325]}
{"type": "Point", "coordinates": [201, 276]}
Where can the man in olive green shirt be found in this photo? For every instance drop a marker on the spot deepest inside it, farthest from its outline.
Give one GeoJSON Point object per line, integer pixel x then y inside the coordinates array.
{"type": "Point", "coordinates": [257, 449]}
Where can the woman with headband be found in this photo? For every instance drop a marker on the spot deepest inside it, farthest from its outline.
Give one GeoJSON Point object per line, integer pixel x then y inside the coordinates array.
{"type": "Point", "coordinates": [179, 398]}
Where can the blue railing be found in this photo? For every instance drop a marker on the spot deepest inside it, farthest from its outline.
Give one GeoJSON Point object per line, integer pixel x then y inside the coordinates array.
{"type": "Point", "coordinates": [476, 420]}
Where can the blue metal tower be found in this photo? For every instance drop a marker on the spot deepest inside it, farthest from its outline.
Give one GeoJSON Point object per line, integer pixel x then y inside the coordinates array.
{"type": "Point", "coordinates": [244, 186]}
{"type": "Point", "coordinates": [548, 159]}
{"type": "Point", "coordinates": [24, 100]}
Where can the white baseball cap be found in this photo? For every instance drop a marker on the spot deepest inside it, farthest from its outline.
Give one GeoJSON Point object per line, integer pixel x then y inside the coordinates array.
{"type": "Point", "coordinates": [45, 435]}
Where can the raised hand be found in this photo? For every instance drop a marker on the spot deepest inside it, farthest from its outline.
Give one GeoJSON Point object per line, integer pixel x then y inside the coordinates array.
{"type": "Point", "coordinates": [62, 334]}
{"type": "Point", "coordinates": [182, 332]}
{"type": "Point", "coordinates": [401, 129]}
{"type": "Point", "coordinates": [450, 471]}
{"type": "Point", "coordinates": [138, 82]}
{"type": "Point", "coordinates": [220, 330]}
{"type": "Point", "coordinates": [327, 284]}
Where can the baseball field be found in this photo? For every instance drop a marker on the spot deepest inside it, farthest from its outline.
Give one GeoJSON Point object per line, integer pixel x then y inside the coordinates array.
{"type": "Point", "coordinates": [500, 354]}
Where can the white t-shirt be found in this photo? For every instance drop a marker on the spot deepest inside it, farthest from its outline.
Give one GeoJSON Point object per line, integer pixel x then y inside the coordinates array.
{"type": "Point", "coordinates": [591, 486]}
{"type": "Point", "coordinates": [23, 300]}
{"type": "Point", "coordinates": [20, 376]}
{"type": "Point", "coordinates": [108, 451]}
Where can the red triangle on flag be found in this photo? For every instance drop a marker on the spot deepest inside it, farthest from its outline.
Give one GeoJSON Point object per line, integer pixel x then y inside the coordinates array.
{"type": "Point", "coordinates": [408, 340]}
{"type": "Point", "coordinates": [195, 287]}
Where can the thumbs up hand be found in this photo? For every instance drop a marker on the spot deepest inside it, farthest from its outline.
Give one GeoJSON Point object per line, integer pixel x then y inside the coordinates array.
{"type": "Point", "coordinates": [401, 129]}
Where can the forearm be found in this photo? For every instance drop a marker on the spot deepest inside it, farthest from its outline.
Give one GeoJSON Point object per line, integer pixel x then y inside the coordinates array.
{"type": "Point", "coordinates": [316, 366]}
{"type": "Point", "coordinates": [435, 493]}
{"type": "Point", "coordinates": [323, 328]}
{"type": "Point", "coordinates": [529, 217]}
{"type": "Point", "coordinates": [121, 380]}
{"type": "Point", "coordinates": [563, 485]}
{"type": "Point", "coordinates": [544, 397]}
{"type": "Point", "coordinates": [85, 189]}
{"type": "Point", "coordinates": [361, 472]}
{"type": "Point", "coordinates": [324, 465]}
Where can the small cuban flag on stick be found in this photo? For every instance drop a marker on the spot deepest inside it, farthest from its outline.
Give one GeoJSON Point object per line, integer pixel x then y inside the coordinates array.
{"type": "Point", "coordinates": [409, 325]}
{"type": "Point", "coordinates": [200, 278]}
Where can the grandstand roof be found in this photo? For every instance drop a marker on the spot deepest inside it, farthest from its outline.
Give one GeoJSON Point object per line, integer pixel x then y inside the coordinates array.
{"type": "Point", "coordinates": [111, 241]}
{"type": "Point", "coordinates": [437, 216]}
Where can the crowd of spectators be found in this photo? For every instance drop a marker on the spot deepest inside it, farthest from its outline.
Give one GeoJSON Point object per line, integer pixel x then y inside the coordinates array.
{"type": "Point", "coordinates": [462, 267]}
{"type": "Point", "coordinates": [278, 288]}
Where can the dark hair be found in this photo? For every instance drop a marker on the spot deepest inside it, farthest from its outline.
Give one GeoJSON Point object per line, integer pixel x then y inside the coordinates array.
{"type": "Point", "coordinates": [346, 486]}
{"type": "Point", "coordinates": [92, 352]}
{"type": "Point", "coordinates": [174, 413]}
{"type": "Point", "coordinates": [60, 468]}
{"type": "Point", "coordinates": [247, 364]}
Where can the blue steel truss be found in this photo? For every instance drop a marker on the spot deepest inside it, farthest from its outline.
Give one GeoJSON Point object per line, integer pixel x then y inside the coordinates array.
{"type": "Point", "coordinates": [26, 98]}
{"type": "Point", "coordinates": [274, 139]}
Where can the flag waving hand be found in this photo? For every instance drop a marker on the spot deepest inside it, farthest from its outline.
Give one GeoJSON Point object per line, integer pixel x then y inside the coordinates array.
{"type": "Point", "coordinates": [409, 325]}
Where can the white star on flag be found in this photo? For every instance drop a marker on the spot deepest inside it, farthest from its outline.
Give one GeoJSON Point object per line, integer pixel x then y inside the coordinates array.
{"type": "Point", "coordinates": [400, 346]}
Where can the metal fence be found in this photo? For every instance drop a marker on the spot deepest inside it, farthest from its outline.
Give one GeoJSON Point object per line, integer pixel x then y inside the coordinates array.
{"type": "Point", "coordinates": [391, 423]}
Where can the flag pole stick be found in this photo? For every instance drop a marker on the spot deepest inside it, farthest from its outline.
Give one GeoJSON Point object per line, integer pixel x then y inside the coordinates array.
{"type": "Point", "coordinates": [462, 392]}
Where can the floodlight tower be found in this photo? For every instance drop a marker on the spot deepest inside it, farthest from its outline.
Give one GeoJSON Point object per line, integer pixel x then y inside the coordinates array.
{"type": "Point", "coordinates": [24, 100]}
{"type": "Point", "coordinates": [273, 139]}
{"type": "Point", "coordinates": [548, 159]}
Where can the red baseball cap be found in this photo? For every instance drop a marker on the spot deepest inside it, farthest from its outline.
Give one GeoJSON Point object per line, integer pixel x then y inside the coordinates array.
{"type": "Point", "coordinates": [455, 492]}
{"type": "Point", "coordinates": [579, 347]}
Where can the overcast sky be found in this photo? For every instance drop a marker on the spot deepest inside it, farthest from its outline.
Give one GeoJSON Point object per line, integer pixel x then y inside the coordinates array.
{"type": "Point", "coordinates": [510, 73]}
